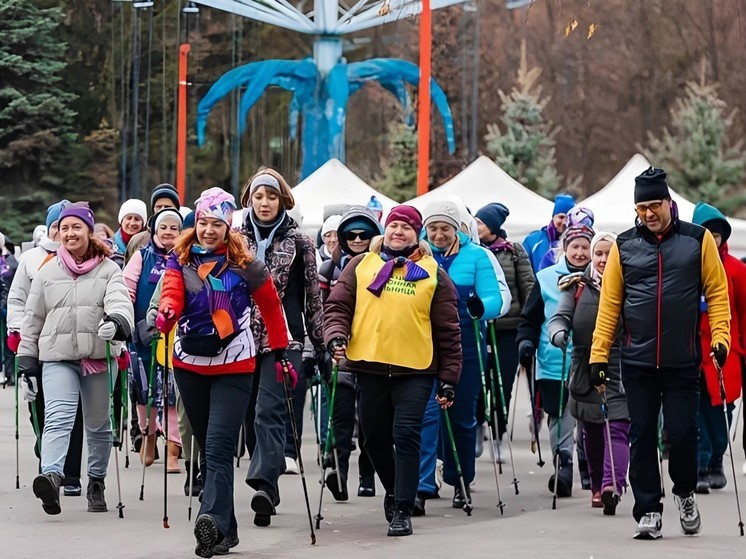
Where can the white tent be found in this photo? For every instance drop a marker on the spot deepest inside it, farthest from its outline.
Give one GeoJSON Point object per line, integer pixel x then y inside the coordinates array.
{"type": "Point", "coordinates": [484, 182]}
{"type": "Point", "coordinates": [613, 205]}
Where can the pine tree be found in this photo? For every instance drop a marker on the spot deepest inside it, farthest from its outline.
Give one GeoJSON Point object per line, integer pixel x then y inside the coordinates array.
{"type": "Point", "coordinates": [696, 153]}
{"type": "Point", "coordinates": [35, 115]}
{"type": "Point", "coordinates": [399, 180]}
{"type": "Point", "coordinates": [526, 149]}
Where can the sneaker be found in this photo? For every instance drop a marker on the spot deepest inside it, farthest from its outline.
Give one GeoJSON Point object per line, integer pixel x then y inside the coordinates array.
{"type": "Point", "coordinates": [389, 508]}
{"type": "Point", "coordinates": [291, 466]}
{"type": "Point", "coordinates": [261, 504]}
{"type": "Point", "coordinates": [95, 495]}
{"type": "Point", "coordinates": [47, 488]}
{"type": "Point", "coordinates": [419, 506]}
{"type": "Point", "coordinates": [480, 441]}
{"type": "Point", "coordinates": [691, 523]}
{"type": "Point", "coordinates": [499, 456]}
{"type": "Point", "coordinates": [401, 524]}
{"type": "Point", "coordinates": [649, 527]}
{"type": "Point", "coordinates": [717, 478]}
{"type": "Point", "coordinates": [458, 498]}
{"type": "Point", "coordinates": [72, 491]}
{"type": "Point", "coordinates": [207, 534]}
{"type": "Point", "coordinates": [439, 473]}
{"type": "Point", "coordinates": [367, 487]}
{"type": "Point", "coordinates": [224, 547]}
{"type": "Point", "coordinates": [333, 482]}
{"type": "Point", "coordinates": [610, 500]}
{"type": "Point", "coordinates": [703, 482]}
{"type": "Point", "coordinates": [744, 468]}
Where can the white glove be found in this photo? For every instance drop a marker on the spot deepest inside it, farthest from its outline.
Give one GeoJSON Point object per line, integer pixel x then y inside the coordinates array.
{"type": "Point", "coordinates": [29, 388]}
{"type": "Point", "coordinates": [107, 330]}
{"type": "Point", "coordinates": [150, 317]}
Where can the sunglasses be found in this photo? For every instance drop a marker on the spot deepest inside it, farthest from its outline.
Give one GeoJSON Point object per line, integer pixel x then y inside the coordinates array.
{"type": "Point", "coordinates": [642, 209]}
{"type": "Point", "coordinates": [362, 235]}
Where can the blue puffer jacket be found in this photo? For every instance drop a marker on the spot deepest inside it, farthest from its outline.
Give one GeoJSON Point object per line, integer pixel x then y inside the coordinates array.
{"type": "Point", "coordinates": [471, 271]}
{"type": "Point", "coordinates": [548, 357]}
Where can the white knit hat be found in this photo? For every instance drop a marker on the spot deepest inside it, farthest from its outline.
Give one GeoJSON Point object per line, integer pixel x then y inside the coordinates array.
{"type": "Point", "coordinates": [331, 224]}
{"type": "Point", "coordinates": [442, 210]}
{"type": "Point", "coordinates": [133, 206]}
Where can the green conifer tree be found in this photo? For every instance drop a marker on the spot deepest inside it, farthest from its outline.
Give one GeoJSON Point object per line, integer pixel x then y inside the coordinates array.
{"type": "Point", "coordinates": [399, 179]}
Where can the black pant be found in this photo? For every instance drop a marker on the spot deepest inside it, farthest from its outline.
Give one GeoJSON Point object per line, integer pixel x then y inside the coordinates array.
{"type": "Point", "coordinates": [344, 428]}
{"type": "Point", "coordinates": [507, 353]}
{"type": "Point", "coordinates": [677, 390]}
{"type": "Point", "coordinates": [74, 451]}
{"type": "Point", "coordinates": [391, 410]}
{"type": "Point", "coordinates": [298, 398]}
{"type": "Point", "coordinates": [216, 407]}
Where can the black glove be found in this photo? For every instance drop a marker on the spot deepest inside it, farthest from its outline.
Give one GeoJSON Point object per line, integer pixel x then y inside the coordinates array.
{"type": "Point", "coordinates": [324, 364]}
{"type": "Point", "coordinates": [309, 366]}
{"type": "Point", "coordinates": [446, 391]}
{"type": "Point", "coordinates": [336, 343]}
{"type": "Point", "coordinates": [599, 373]}
{"type": "Point", "coordinates": [29, 366]}
{"type": "Point", "coordinates": [475, 306]}
{"type": "Point", "coordinates": [526, 351]}
{"type": "Point", "coordinates": [720, 353]}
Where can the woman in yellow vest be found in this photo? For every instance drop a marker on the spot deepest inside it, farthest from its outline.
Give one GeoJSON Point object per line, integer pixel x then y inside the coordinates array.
{"type": "Point", "coordinates": [392, 315]}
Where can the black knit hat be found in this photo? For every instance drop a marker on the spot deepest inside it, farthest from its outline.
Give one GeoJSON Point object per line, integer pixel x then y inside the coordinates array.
{"type": "Point", "coordinates": [651, 185]}
{"type": "Point", "coordinates": [164, 190]}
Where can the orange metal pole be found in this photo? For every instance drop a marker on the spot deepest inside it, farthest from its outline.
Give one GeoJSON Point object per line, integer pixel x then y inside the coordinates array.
{"type": "Point", "coordinates": [181, 124]}
{"type": "Point", "coordinates": [423, 111]}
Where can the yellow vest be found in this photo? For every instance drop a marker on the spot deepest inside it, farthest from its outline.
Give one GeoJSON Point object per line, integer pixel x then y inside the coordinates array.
{"type": "Point", "coordinates": [394, 328]}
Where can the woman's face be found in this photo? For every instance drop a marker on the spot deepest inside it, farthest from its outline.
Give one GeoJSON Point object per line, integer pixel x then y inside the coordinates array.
{"type": "Point", "coordinates": [399, 235]}
{"type": "Point", "coordinates": [266, 203]}
{"type": "Point", "coordinates": [578, 252]}
{"type": "Point", "coordinates": [132, 224]}
{"type": "Point", "coordinates": [331, 241]}
{"type": "Point", "coordinates": [75, 235]}
{"type": "Point", "coordinates": [441, 235]}
{"type": "Point", "coordinates": [54, 231]}
{"type": "Point", "coordinates": [211, 232]}
{"type": "Point", "coordinates": [357, 241]}
{"type": "Point", "coordinates": [601, 255]}
{"type": "Point", "coordinates": [485, 233]}
{"type": "Point", "coordinates": [168, 231]}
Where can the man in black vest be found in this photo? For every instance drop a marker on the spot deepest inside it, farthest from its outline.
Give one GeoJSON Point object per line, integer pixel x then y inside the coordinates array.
{"type": "Point", "coordinates": [656, 277]}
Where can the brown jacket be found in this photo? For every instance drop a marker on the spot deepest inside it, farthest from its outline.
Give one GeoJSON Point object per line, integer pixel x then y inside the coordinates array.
{"type": "Point", "coordinates": [340, 309]}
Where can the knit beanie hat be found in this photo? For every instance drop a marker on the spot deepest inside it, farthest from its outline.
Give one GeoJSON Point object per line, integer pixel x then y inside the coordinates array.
{"type": "Point", "coordinates": [493, 216]}
{"type": "Point", "coordinates": [651, 185]}
{"type": "Point", "coordinates": [165, 213]}
{"type": "Point", "coordinates": [135, 207]}
{"type": "Point", "coordinates": [188, 220]}
{"type": "Point", "coordinates": [164, 190]}
{"type": "Point", "coordinates": [215, 202]}
{"type": "Point", "coordinates": [563, 203]}
{"type": "Point", "coordinates": [82, 211]}
{"type": "Point", "coordinates": [331, 224]}
{"type": "Point", "coordinates": [268, 178]}
{"type": "Point", "coordinates": [580, 216]}
{"type": "Point", "coordinates": [407, 214]}
{"type": "Point", "coordinates": [443, 211]}
{"type": "Point", "coordinates": [53, 212]}
{"type": "Point", "coordinates": [577, 232]}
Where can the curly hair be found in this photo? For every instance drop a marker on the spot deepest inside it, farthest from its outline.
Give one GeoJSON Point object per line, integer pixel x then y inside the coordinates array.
{"type": "Point", "coordinates": [238, 249]}
{"type": "Point", "coordinates": [286, 195]}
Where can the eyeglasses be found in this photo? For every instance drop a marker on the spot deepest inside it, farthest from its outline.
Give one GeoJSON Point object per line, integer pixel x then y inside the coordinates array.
{"type": "Point", "coordinates": [362, 235]}
{"type": "Point", "coordinates": [642, 209]}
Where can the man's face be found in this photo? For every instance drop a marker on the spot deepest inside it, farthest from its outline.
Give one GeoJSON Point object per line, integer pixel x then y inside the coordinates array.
{"type": "Point", "coordinates": [560, 222]}
{"type": "Point", "coordinates": [655, 214]}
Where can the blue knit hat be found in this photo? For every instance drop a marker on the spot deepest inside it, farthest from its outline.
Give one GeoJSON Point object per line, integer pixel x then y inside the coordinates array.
{"type": "Point", "coordinates": [493, 216]}
{"type": "Point", "coordinates": [563, 203]}
{"type": "Point", "coordinates": [54, 211]}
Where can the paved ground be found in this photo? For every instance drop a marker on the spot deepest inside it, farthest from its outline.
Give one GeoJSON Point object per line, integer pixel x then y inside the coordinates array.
{"type": "Point", "coordinates": [529, 527]}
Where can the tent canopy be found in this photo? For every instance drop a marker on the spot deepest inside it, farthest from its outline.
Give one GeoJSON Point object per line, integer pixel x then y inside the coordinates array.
{"type": "Point", "coordinates": [484, 182]}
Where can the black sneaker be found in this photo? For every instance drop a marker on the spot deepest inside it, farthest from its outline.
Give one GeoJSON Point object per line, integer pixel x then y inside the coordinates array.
{"type": "Point", "coordinates": [717, 478]}
{"type": "Point", "coordinates": [47, 488]}
{"type": "Point", "coordinates": [691, 522]}
{"type": "Point", "coordinates": [261, 504]}
{"type": "Point", "coordinates": [458, 498]}
{"type": "Point", "coordinates": [401, 524]}
{"type": "Point", "coordinates": [367, 487]}
{"type": "Point", "coordinates": [649, 527]}
{"type": "Point", "coordinates": [193, 474]}
{"type": "Point", "coordinates": [389, 507]}
{"type": "Point", "coordinates": [224, 547]}
{"type": "Point", "coordinates": [419, 506]}
{"type": "Point", "coordinates": [610, 500]}
{"type": "Point", "coordinates": [703, 482]}
{"type": "Point", "coordinates": [207, 534]}
{"type": "Point", "coordinates": [333, 483]}
{"type": "Point", "coordinates": [72, 491]}
{"type": "Point", "coordinates": [95, 495]}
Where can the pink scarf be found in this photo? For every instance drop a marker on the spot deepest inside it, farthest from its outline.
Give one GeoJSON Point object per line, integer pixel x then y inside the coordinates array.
{"type": "Point", "coordinates": [73, 268]}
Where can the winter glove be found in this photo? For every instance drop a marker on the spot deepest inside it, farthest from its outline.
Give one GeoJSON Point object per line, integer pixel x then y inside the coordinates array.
{"type": "Point", "coordinates": [283, 367]}
{"type": "Point", "coordinates": [337, 348]}
{"type": "Point", "coordinates": [599, 373]}
{"type": "Point", "coordinates": [526, 351]}
{"type": "Point", "coordinates": [560, 339]}
{"type": "Point", "coordinates": [720, 353]}
{"type": "Point", "coordinates": [445, 394]}
{"type": "Point", "coordinates": [324, 364]}
{"type": "Point", "coordinates": [151, 316]}
{"type": "Point", "coordinates": [107, 329]}
{"type": "Point", "coordinates": [165, 320]}
{"type": "Point", "coordinates": [14, 340]}
{"type": "Point", "coordinates": [475, 306]}
{"type": "Point", "coordinates": [123, 360]}
{"type": "Point", "coordinates": [29, 366]}
{"type": "Point", "coordinates": [29, 387]}
{"type": "Point", "coordinates": [309, 366]}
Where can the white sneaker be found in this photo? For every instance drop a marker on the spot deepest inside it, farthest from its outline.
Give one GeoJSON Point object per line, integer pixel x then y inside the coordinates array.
{"type": "Point", "coordinates": [744, 468]}
{"type": "Point", "coordinates": [291, 466]}
{"type": "Point", "coordinates": [499, 456]}
{"type": "Point", "coordinates": [691, 522]}
{"type": "Point", "coordinates": [439, 474]}
{"type": "Point", "coordinates": [649, 527]}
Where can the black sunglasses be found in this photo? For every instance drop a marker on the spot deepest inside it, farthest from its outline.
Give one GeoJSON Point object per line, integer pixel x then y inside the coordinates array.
{"type": "Point", "coordinates": [363, 236]}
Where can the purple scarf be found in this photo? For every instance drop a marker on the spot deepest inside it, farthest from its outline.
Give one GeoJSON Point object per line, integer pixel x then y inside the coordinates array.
{"type": "Point", "coordinates": [500, 244]}
{"type": "Point", "coordinates": [396, 259]}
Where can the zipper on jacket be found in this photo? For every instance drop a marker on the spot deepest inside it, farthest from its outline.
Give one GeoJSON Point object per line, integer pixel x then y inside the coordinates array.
{"type": "Point", "coordinates": [660, 296]}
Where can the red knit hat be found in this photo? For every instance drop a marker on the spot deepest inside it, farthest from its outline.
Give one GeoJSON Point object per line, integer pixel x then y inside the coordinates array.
{"type": "Point", "coordinates": [407, 214]}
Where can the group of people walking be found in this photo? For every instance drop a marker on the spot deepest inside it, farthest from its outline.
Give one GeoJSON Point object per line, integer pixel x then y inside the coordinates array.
{"type": "Point", "coordinates": [413, 331]}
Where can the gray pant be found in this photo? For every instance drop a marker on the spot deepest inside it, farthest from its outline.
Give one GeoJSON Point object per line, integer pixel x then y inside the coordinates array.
{"type": "Point", "coordinates": [268, 460]}
{"type": "Point", "coordinates": [63, 384]}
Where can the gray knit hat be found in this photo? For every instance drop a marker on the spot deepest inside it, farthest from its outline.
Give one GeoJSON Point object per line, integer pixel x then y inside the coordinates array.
{"type": "Point", "coordinates": [442, 210]}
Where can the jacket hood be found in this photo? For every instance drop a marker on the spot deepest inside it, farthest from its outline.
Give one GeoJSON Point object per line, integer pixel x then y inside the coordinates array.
{"type": "Point", "coordinates": [48, 244]}
{"type": "Point", "coordinates": [704, 213]}
{"type": "Point", "coordinates": [356, 213]}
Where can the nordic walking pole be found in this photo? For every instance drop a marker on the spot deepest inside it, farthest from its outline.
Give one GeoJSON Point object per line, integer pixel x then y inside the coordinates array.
{"type": "Point", "coordinates": [15, 372]}
{"type": "Point", "coordinates": [296, 442]}
{"type": "Point", "coordinates": [153, 349]}
{"type": "Point", "coordinates": [738, 418]}
{"type": "Point", "coordinates": [517, 384]}
{"type": "Point", "coordinates": [467, 501]}
{"type": "Point", "coordinates": [165, 412]}
{"type": "Point", "coordinates": [559, 429]}
{"type": "Point", "coordinates": [498, 373]}
{"type": "Point", "coordinates": [730, 445]}
{"type": "Point", "coordinates": [488, 413]}
{"type": "Point", "coordinates": [328, 443]}
{"type": "Point", "coordinates": [532, 396]}
{"type": "Point", "coordinates": [605, 411]}
{"type": "Point", "coordinates": [660, 455]}
{"type": "Point", "coordinates": [120, 506]}
{"type": "Point", "coordinates": [124, 420]}
{"type": "Point", "coordinates": [191, 478]}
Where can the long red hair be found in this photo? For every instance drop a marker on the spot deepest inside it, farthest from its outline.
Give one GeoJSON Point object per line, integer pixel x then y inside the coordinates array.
{"type": "Point", "coordinates": [237, 253]}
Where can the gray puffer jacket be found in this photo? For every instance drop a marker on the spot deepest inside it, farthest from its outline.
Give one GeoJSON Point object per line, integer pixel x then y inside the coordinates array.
{"type": "Point", "coordinates": [519, 275]}
{"type": "Point", "coordinates": [63, 314]}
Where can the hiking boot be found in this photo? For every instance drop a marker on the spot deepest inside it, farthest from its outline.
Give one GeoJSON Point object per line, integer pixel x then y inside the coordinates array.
{"type": "Point", "coordinates": [458, 498]}
{"type": "Point", "coordinates": [95, 495]}
{"type": "Point", "coordinates": [717, 478]}
{"type": "Point", "coordinates": [691, 522]}
{"type": "Point", "coordinates": [649, 527]}
{"type": "Point", "coordinates": [261, 504]}
{"type": "Point", "coordinates": [564, 476]}
{"type": "Point", "coordinates": [333, 483]}
{"type": "Point", "coordinates": [72, 490]}
{"type": "Point", "coordinates": [419, 506]}
{"type": "Point", "coordinates": [367, 487]}
{"type": "Point", "coordinates": [207, 534]}
{"type": "Point", "coordinates": [610, 500]}
{"type": "Point", "coordinates": [224, 547]}
{"type": "Point", "coordinates": [401, 524]}
{"type": "Point", "coordinates": [389, 507]}
{"type": "Point", "coordinates": [703, 482]}
{"type": "Point", "coordinates": [192, 471]}
{"type": "Point", "coordinates": [47, 488]}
